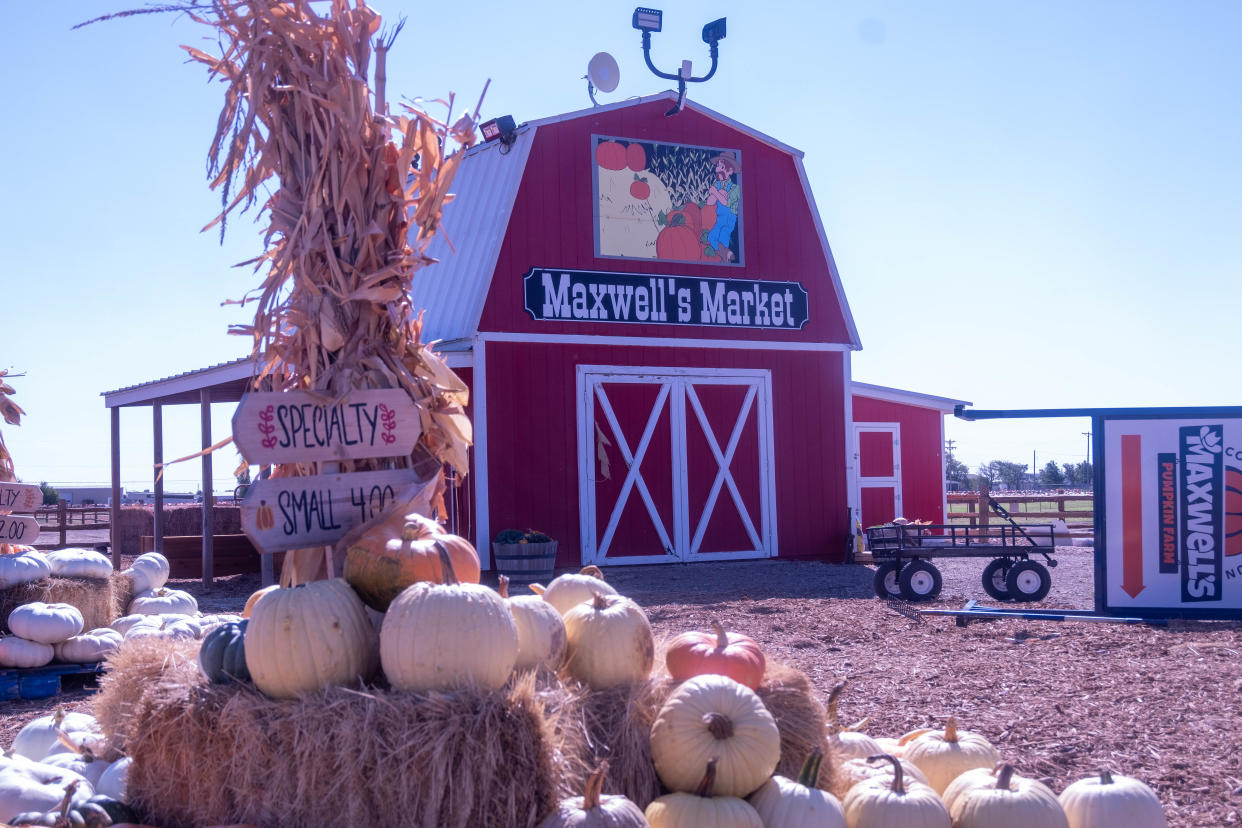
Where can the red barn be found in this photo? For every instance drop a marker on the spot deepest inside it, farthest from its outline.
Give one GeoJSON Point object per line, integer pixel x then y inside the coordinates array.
{"type": "Point", "coordinates": [658, 339]}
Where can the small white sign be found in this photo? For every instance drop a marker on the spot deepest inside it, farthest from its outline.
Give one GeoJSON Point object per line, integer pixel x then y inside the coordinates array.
{"type": "Point", "coordinates": [18, 529]}
{"type": "Point", "coordinates": [300, 427]}
{"type": "Point", "coordinates": [19, 497]}
{"type": "Point", "coordinates": [295, 512]}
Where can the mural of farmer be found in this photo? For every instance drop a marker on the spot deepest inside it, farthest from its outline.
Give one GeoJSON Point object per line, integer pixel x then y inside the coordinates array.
{"type": "Point", "coordinates": [726, 194]}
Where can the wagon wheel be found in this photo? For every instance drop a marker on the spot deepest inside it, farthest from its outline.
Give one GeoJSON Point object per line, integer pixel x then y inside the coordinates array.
{"type": "Point", "coordinates": [994, 579]}
{"type": "Point", "coordinates": [885, 583]}
{"type": "Point", "coordinates": [1028, 581]}
{"type": "Point", "coordinates": [919, 581]}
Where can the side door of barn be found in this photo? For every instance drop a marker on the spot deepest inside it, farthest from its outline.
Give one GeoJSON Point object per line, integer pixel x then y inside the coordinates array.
{"type": "Point", "coordinates": [877, 456]}
{"type": "Point", "coordinates": [677, 464]}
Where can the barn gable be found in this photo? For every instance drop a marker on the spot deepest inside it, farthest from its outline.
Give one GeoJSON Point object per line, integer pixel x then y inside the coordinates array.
{"type": "Point", "coordinates": [534, 205]}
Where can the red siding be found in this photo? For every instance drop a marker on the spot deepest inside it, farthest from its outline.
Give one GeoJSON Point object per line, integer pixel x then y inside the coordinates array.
{"type": "Point", "coordinates": [922, 473]}
{"type": "Point", "coordinates": [532, 438]}
{"type": "Point", "coordinates": [553, 226]}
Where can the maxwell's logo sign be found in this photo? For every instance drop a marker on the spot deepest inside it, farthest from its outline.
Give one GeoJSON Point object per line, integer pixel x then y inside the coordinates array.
{"type": "Point", "coordinates": [588, 296]}
{"type": "Point", "coordinates": [1201, 500]}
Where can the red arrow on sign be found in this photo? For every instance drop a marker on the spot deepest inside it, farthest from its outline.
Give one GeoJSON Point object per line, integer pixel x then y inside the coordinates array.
{"type": "Point", "coordinates": [1132, 514]}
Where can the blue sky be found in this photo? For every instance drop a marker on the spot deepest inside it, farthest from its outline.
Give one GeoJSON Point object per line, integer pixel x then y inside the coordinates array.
{"type": "Point", "coordinates": [1031, 204]}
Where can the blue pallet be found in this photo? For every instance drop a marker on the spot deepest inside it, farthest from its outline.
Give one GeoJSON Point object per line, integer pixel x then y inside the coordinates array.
{"type": "Point", "coordinates": [40, 682]}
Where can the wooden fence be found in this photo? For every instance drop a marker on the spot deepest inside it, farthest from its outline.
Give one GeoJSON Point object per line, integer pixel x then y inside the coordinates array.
{"type": "Point", "coordinates": [1026, 508]}
{"type": "Point", "coordinates": [62, 518]}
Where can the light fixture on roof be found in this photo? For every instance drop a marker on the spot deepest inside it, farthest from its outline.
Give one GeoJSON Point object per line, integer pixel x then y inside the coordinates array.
{"type": "Point", "coordinates": [501, 129]}
{"type": "Point", "coordinates": [652, 20]}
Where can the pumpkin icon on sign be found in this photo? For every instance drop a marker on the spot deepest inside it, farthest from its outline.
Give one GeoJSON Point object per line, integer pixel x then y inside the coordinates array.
{"type": "Point", "coordinates": [263, 517]}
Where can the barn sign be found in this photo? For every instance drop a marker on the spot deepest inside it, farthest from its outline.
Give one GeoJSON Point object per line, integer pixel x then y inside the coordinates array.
{"type": "Point", "coordinates": [300, 427]}
{"type": "Point", "coordinates": [1173, 514]}
{"type": "Point", "coordinates": [18, 529]}
{"type": "Point", "coordinates": [591, 296]}
{"type": "Point", "coordinates": [293, 512]}
{"type": "Point", "coordinates": [19, 497]}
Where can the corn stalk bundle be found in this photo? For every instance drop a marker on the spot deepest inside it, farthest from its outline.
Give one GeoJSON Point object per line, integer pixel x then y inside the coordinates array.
{"type": "Point", "coordinates": [348, 183]}
{"type": "Point", "coordinates": [12, 414]}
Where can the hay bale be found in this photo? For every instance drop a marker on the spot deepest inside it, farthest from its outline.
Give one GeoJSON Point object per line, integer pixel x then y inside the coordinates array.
{"type": "Point", "coordinates": [616, 725]}
{"type": "Point", "coordinates": [100, 600]}
{"type": "Point", "coordinates": [801, 719]}
{"type": "Point", "coordinates": [213, 754]}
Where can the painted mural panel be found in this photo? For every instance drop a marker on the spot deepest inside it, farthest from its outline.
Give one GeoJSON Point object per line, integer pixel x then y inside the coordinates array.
{"type": "Point", "coordinates": [670, 202]}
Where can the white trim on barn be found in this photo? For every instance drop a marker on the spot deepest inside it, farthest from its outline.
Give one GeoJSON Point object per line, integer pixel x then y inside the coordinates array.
{"type": "Point", "coordinates": [482, 528]}
{"type": "Point", "coordinates": [662, 342]}
{"type": "Point", "coordinates": [897, 395]}
{"type": "Point", "coordinates": [851, 465]}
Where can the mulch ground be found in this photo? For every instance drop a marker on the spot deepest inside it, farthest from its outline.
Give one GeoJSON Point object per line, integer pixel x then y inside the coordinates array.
{"type": "Point", "coordinates": [1059, 699]}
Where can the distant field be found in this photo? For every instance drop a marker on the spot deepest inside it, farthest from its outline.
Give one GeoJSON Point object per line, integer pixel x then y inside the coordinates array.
{"type": "Point", "coordinates": [1075, 505]}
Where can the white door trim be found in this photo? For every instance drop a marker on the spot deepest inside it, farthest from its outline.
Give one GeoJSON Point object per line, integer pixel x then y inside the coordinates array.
{"type": "Point", "coordinates": [677, 387]}
{"type": "Point", "coordinates": [892, 481]}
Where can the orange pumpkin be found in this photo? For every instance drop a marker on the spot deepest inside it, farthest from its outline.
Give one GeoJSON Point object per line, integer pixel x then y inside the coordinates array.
{"type": "Point", "coordinates": [264, 519]}
{"type": "Point", "coordinates": [678, 243]}
{"type": "Point", "coordinates": [636, 157]}
{"type": "Point", "coordinates": [254, 599]}
{"type": "Point", "coordinates": [386, 558]}
{"type": "Point", "coordinates": [721, 653]}
{"type": "Point", "coordinates": [610, 155]}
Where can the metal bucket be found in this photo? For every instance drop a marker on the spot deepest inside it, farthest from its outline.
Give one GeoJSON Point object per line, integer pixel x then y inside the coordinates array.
{"type": "Point", "coordinates": [525, 563]}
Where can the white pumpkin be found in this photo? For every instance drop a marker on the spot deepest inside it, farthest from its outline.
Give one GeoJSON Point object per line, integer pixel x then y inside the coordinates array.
{"type": "Point", "coordinates": [302, 639]}
{"type": "Point", "coordinates": [783, 803]}
{"type": "Point", "coordinates": [541, 632]}
{"type": "Point", "coordinates": [20, 652]}
{"type": "Point", "coordinates": [848, 742]}
{"type": "Point", "coordinates": [89, 647]}
{"type": "Point", "coordinates": [80, 563]}
{"type": "Point", "coordinates": [126, 622]}
{"type": "Point", "coordinates": [39, 735]}
{"type": "Point", "coordinates": [1007, 799]}
{"type": "Point", "coordinates": [26, 785]}
{"type": "Point", "coordinates": [943, 755]}
{"type": "Point", "coordinates": [207, 623]}
{"type": "Point", "coordinates": [609, 643]}
{"type": "Point", "coordinates": [1112, 799]}
{"type": "Point", "coordinates": [149, 571]}
{"type": "Point", "coordinates": [158, 628]}
{"type": "Point", "coordinates": [852, 772]}
{"type": "Point", "coordinates": [442, 636]}
{"type": "Point", "coordinates": [714, 717]}
{"type": "Point", "coordinates": [46, 623]}
{"type": "Point", "coordinates": [568, 591]}
{"type": "Point", "coordinates": [88, 766]}
{"type": "Point", "coordinates": [114, 781]}
{"type": "Point", "coordinates": [159, 601]}
{"type": "Point", "coordinates": [23, 567]}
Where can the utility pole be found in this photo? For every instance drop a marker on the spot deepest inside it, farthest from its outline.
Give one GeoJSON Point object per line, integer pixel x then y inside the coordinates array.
{"type": "Point", "coordinates": [1087, 434]}
{"type": "Point", "coordinates": [1034, 471]}
{"type": "Point", "coordinates": [948, 446]}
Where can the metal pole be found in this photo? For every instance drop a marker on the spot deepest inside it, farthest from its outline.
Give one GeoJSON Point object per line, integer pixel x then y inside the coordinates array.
{"type": "Point", "coordinates": [157, 446]}
{"type": "Point", "coordinates": [115, 516]}
{"type": "Point", "coordinates": [208, 530]}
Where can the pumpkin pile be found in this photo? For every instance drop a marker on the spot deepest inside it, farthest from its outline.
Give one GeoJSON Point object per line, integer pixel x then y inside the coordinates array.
{"type": "Point", "coordinates": [83, 626]}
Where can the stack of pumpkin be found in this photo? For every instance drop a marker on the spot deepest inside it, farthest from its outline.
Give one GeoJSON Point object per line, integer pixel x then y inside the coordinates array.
{"type": "Point", "coordinates": [59, 765]}
{"type": "Point", "coordinates": [46, 630]}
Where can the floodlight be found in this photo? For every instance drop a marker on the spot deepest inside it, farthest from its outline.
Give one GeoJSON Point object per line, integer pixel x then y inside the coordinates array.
{"type": "Point", "coordinates": [498, 128]}
{"type": "Point", "coordinates": [714, 31]}
{"type": "Point", "coordinates": [647, 20]}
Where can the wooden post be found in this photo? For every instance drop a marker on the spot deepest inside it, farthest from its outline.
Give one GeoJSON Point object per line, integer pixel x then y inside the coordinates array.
{"type": "Point", "coordinates": [985, 491]}
{"type": "Point", "coordinates": [267, 564]}
{"type": "Point", "coordinates": [115, 516]}
{"type": "Point", "coordinates": [157, 447]}
{"type": "Point", "coordinates": [209, 554]}
{"type": "Point", "coordinates": [62, 517]}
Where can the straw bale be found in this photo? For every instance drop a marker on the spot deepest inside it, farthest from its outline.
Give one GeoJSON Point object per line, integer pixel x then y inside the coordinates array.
{"type": "Point", "coordinates": [801, 718]}
{"type": "Point", "coordinates": [211, 754]}
{"type": "Point", "coordinates": [100, 600]}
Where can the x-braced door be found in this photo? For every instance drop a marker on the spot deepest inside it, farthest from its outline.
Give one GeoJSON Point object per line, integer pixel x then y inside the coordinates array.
{"type": "Point", "coordinates": [676, 463]}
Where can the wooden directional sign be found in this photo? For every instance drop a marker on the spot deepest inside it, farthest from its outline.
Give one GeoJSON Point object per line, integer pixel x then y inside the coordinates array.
{"type": "Point", "coordinates": [299, 427]}
{"type": "Point", "coordinates": [19, 497]}
{"type": "Point", "coordinates": [293, 512]}
{"type": "Point", "coordinates": [18, 529]}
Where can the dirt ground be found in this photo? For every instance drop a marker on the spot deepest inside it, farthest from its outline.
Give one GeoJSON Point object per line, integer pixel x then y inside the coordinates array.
{"type": "Point", "coordinates": [1059, 699]}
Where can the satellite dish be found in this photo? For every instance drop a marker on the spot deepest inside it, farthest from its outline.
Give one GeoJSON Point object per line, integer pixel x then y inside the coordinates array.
{"type": "Point", "coordinates": [602, 72]}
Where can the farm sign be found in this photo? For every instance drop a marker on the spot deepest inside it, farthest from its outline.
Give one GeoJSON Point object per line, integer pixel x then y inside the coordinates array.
{"type": "Point", "coordinates": [1173, 514]}
{"type": "Point", "coordinates": [300, 427]}
{"type": "Point", "coordinates": [590, 296]}
{"type": "Point", "coordinates": [294, 512]}
{"type": "Point", "coordinates": [18, 529]}
{"type": "Point", "coordinates": [19, 497]}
